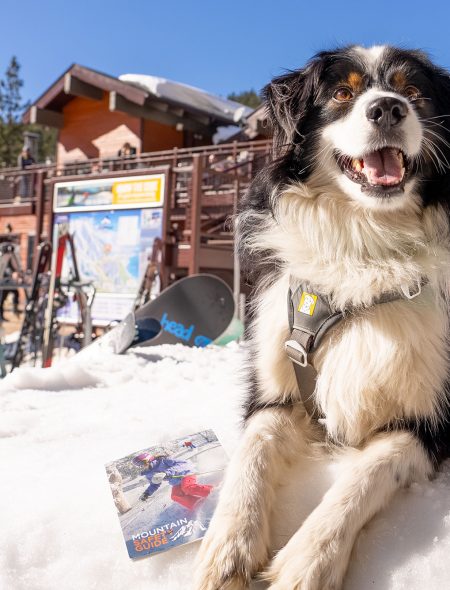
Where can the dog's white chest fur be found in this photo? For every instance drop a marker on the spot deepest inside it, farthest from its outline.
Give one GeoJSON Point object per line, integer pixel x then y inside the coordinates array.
{"type": "Point", "coordinates": [383, 362]}
{"type": "Point", "coordinates": [387, 363]}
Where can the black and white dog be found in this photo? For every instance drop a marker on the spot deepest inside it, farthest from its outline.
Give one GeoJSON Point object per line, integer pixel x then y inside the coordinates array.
{"type": "Point", "coordinates": [356, 204]}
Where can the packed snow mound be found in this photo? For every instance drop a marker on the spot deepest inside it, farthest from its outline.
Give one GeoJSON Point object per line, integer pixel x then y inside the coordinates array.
{"type": "Point", "coordinates": [60, 426]}
{"type": "Point", "coordinates": [190, 97]}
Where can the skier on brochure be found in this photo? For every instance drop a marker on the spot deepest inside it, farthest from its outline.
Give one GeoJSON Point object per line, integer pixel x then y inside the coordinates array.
{"type": "Point", "coordinates": [180, 474]}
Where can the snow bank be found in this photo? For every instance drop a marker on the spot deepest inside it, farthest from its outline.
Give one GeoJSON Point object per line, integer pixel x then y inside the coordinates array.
{"type": "Point", "coordinates": [58, 427]}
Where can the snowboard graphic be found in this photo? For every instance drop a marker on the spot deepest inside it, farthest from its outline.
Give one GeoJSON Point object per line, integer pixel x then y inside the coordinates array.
{"type": "Point", "coordinates": [193, 311]}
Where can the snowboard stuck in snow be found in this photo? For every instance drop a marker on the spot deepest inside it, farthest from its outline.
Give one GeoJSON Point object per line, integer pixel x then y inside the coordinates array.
{"type": "Point", "coordinates": [165, 495]}
{"type": "Point", "coordinates": [193, 311]}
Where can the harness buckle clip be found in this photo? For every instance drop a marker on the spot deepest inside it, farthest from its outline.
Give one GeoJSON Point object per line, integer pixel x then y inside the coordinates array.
{"type": "Point", "coordinates": [303, 361]}
{"type": "Point", "coordinates": [407, 291]}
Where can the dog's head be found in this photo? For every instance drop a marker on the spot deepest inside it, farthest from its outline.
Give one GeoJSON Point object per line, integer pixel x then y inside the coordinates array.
{"type": "Point", "coordinates": [374, 122]}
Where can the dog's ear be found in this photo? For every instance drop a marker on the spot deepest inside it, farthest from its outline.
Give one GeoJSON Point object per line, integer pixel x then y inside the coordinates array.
{"type": "Point", "coordinates": [287, 99]}
{"type": "Point", "coordinates": [441, 85]}
{"type": "Point", "coordinates": [436, 122]}
{"type": "Point", "coordinates": [437, 132]}
{"type": "Point", "coordinates": [437, 126]}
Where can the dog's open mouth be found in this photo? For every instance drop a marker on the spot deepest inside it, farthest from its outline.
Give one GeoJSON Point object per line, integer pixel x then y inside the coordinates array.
{"type": "Point", "coordinates": [383, 171]}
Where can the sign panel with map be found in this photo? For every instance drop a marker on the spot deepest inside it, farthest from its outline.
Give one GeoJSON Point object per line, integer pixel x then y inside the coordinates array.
{"type": "Point", "coordinates": [113, 238]}
{"type": "Point", "coordinates": [106, 193]}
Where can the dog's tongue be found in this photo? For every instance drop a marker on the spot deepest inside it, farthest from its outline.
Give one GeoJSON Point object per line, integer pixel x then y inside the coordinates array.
{"type": "Point", "coordinates": [384, 167]}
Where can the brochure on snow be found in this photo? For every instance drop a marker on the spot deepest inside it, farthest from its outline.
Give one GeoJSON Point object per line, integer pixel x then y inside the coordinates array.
{"type": "Point", "coordinates": [165, 495]}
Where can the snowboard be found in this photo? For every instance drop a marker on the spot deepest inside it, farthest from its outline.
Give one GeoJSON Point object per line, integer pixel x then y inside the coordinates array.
{"type": "Point", "coordinates": [127, 332]}
{"type": "Point", "coordinates": [193, 311]}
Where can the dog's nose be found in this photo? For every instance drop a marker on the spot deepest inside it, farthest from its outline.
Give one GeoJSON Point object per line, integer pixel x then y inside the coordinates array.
{"type": "Point", "coordinates": [386, 112]}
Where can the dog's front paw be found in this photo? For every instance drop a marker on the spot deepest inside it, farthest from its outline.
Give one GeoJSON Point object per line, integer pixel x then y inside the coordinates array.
{"type": "Point", "coordinates": [310, 561]}
{"type": "Point", "coordinates": [230, 554]}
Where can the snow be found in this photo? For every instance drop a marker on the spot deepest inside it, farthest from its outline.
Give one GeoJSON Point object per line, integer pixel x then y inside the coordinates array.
{"type": "Point", "coordinates": [224, 133]}
{"type": "Point", "coordinates": [190, 97]}
{"type": "Point", "coordinates": [60, 426]}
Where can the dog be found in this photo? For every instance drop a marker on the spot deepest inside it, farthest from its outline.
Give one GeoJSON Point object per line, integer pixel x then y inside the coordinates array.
{"type": "Point", "coordinates": [354, 205]}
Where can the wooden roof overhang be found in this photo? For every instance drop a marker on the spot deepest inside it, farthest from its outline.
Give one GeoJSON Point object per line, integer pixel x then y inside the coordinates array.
{"type": "Point", "coordinates": [124, 97]}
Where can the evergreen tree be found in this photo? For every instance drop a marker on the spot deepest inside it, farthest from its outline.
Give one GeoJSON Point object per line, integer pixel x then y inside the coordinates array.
{"type": "Point", "coordinates": [248, 97]}
{"type": "Point", "coordinates": [11, 109]}
{"type": "Point", "coordinates": [11, 126]}
{"type": "Point", "coordinates": [47, 141]}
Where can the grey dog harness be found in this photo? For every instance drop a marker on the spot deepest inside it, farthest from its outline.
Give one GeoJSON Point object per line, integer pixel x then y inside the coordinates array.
{"type": "Point", "coordinates": [311, 315]}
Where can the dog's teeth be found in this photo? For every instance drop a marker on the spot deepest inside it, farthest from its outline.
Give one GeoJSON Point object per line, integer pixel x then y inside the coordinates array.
{"type": "Point", "coordinates": [356, 165]}
{"type": "Point", "coordinates": [400, 157]}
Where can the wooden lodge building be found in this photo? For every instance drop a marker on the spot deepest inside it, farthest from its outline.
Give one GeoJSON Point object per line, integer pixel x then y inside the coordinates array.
{"type": "Point", "coordinates": [168, 127]}
{"type": "Point", "coordinates": [96, 114]}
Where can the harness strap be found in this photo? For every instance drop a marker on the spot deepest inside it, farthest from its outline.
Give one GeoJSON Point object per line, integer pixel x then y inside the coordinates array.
{"type": "Point", "coordinates": [297, 348]}
{"type": "Point", "coordinates": [310, 317]}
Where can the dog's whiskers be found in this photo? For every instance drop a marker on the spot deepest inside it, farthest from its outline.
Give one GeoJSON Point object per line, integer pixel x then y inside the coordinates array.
{"type": "Point", "coordinates": [437, 136]}
{"type": "Point", "coordinates": [437, 147]}
{"type": "Point", "coordinates": [431, 147]}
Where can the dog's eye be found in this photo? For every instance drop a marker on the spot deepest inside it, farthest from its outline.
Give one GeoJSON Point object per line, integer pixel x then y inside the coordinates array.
{"type": "Point", "coordinates": [343, 94]}
{"type": "Point", "coordinates": [412, 92]}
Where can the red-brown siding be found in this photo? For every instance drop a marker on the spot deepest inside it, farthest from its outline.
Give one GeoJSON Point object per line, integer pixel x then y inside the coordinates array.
{"type": "Point", "coordinates": [160, 137]}
{"type": "Point", "coordinates": [91, 130]}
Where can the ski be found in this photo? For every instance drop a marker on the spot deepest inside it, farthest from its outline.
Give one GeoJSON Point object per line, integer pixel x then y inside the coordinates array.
{"type": "Point", "coordinates": [151, 280]}
{"type": "Point", "coordinates": [53, 292]}
{"type": "Point", "coordinates": [57, 295]}
{"type": "Point", "coordinates": [30, 336]}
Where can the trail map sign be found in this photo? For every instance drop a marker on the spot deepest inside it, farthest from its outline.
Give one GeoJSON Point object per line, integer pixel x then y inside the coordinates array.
{"type": "Point", "coordinates": [114, 222]}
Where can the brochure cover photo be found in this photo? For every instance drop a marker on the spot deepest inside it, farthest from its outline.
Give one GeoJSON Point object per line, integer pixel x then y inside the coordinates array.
{"type": "Point", "coordinates": [165, 495]}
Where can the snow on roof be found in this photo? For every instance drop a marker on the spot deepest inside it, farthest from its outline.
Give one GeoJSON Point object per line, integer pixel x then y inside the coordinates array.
{"type": "Point", "coordinates": [189, 96]}
{"type": "Point", "coordinates": [222, 133]}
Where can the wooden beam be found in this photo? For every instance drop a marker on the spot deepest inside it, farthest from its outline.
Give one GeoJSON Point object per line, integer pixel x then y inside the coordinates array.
{"type": "Point", "coordinates": [211, 257]}
{"type": "Point", "coordinates": [203, 119]}
{"type": "Point", "coordinates": [195, 207]}
{"type": "Point", "coordinates": [18, 209]}
{"type": "Point", "coordinates": [117, 102]}
{"type": "Point", "coordinates": [177, 111]}
{"type": "Point", "coordinates": [77, 87]}
{"type": "Point", "coordinates": [46, 117]}
{"type": "Point", "coordinates": [159, 106]}
{"type": "Point", "coordinates": [109, 84]}
{"type": "Point", "coordinates": [40, 206]}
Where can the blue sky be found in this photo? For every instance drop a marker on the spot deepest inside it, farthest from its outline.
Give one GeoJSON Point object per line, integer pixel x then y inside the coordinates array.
{"type": "Point", "coordinates": [219, 46]}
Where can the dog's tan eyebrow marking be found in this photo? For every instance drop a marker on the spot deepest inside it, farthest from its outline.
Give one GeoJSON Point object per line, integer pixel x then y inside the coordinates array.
{"type": "Point", "coordinates": [356, 81]}
{"type": "Point", "coordinates": [399, 80]}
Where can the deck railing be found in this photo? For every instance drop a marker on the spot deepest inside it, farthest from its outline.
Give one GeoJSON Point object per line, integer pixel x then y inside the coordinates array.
{"type": "Point", "coordinates": [205, 185]}
{"type": "Point", "coordinates": [18, 185]}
